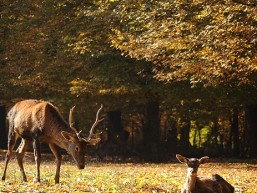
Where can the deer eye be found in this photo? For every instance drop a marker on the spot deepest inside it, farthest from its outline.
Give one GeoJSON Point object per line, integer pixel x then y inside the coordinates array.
{"type": "Point", "coordinates": [77, 148]}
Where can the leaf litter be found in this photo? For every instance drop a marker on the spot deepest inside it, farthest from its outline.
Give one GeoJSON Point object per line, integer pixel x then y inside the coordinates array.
{"type": "Point", "coordinates": [123, 177]}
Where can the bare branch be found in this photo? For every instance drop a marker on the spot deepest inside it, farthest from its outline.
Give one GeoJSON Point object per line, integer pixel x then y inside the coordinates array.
{"type": "Point", "coordinates": [252, 3]}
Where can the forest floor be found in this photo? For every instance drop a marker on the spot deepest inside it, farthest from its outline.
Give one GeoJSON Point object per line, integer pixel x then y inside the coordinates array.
{"type": "Point", "coordinates": [122, 177]}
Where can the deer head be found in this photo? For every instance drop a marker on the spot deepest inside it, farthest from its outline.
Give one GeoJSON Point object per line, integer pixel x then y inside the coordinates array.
{"type": "Point", "coordinates": [76, 148]}
{"type": "Point", "coordinates": [192, 168]}
{"type": "Point", "coordinates": [192, 163]}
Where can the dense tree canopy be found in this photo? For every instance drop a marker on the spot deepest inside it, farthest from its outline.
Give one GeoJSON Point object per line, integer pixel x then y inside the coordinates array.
{"type": "Point", "coordinates": [193, 62]}
{"type": "Point", "coordinates": [209, 42]}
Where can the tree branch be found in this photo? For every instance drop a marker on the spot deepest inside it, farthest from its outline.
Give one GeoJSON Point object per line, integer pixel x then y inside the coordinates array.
{"type": "Point", "coordinates": [248, 3]}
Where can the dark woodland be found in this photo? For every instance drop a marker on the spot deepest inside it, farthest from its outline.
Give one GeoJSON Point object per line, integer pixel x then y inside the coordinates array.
{"type": "Point", "coordinates": [173, 76]}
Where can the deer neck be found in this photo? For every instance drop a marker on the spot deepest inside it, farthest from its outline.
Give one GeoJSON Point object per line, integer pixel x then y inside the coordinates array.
{"type": "Point", "coordinates": [190, 182]}
{"type": "Point", "coordinates": [64, 144]}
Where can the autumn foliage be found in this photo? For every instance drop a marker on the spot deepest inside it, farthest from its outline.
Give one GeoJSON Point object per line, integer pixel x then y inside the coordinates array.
{"type": "Point", "coordinates": [183, 74]}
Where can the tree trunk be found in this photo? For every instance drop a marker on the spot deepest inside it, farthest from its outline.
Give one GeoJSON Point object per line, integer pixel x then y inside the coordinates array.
{"type": "Point", "coordinates": [235, 133]}
{"type": "Point", "coordinates": [216, 139]}
{"type": "Point", "coordinates": [151, 131]}
{"type": "Point", "coordinates": [251, 120]}
{"type": "Point", "coordinates": [114, 121]}
{"type": "Point", "coordinates": [117, 136]}
{"type": "Point", "coordinates": [3, 131]}
{"type": "Point", "coordinates": [172, 135]}
{"type": "Point", "coordinates": [184, 132]}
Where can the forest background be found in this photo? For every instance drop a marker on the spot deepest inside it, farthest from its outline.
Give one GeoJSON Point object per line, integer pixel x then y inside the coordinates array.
{"type": "Point", "coordinates": [181, 74]}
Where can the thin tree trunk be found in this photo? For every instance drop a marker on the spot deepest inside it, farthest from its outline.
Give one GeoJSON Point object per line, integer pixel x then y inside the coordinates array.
{"type": "Point", "coordinates": [114, 121]}
{"type": "Point", "coordinates": [217, 140]}
{"type": "Point", "coordinates": [151, 131]}
{"type": "Point", "coordinates": [172, 141]}
{"type": "Point", "coordinates": [184, 131]}
{"type": "Point", "coordinates": [251, 120]}
{"type": "Point", "coordinates": [235, 133]}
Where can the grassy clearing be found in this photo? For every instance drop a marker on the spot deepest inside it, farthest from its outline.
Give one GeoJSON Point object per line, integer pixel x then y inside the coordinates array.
{"type": "Point", "coordinates": [122, 178]}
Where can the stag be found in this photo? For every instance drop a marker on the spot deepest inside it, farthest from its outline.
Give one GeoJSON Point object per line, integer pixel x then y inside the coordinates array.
{"type": "Point", "coordinates": [195, 184]}
{"type": "Point", "coordinates": [39, 122]}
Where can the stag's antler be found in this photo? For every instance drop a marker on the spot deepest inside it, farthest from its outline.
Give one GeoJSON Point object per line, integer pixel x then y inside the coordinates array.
{"type": "Point", "coordinates": [92, 128]}
{"type": "Point", "coordinates": [95, 124]}
{"type": "Point", "coordinates": [71, 124]}
{"type": "Point", "coordinates": [70, 119]}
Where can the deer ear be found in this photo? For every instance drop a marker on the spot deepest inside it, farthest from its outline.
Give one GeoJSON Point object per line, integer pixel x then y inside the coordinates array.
{"type": "Point", "coordinates": [204, 160]}
{"type": "Point", "coordinates": [68, 136]}
{"type": "Point", "coordinates": [94, 141]}
{"type": "Point", "coordinates": [181, 158]}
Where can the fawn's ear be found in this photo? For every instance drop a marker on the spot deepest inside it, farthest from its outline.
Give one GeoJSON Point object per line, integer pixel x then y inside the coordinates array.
{"type": "Point", "coordinates": [204, 160]}
{"type": "Point", "coordinates": [181, 158]}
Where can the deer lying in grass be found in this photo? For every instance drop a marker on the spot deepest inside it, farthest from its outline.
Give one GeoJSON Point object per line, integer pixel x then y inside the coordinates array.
{"type": "Point", "coordinates": [195, 184]}
{"type": "Point", "coordinates": [40, 122]}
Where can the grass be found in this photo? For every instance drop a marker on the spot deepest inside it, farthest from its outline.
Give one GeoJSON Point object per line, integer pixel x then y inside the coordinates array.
{"type": "Point", "coordinates": [122, 178]}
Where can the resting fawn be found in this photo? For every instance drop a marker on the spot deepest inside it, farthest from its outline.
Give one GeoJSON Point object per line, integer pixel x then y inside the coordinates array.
{"type": "Point", "coordinates": [195, 184]}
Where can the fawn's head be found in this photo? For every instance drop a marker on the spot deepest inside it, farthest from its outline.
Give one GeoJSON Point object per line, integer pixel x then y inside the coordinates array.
{"type": "Point", "coordinates": [192, 163]}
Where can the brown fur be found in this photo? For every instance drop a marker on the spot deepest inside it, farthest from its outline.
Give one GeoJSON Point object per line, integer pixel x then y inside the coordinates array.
{"type": "Point", "coordinates": [39, 122]}
{"type": "Point", "coordinates": [195, 184]}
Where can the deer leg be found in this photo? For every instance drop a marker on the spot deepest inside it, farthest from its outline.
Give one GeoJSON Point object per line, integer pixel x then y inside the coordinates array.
{"type": "Point", "coordinates": [20, 154]}
{"type": "Point", "coordinates": [37, 155]}
{"type": "Point", "coordinates": [12, 138]}
{"type": "Point", "coordinates": [58, 157]}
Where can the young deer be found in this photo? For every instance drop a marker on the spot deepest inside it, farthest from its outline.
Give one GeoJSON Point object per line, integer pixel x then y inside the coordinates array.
{"type": "Point", "coordinates": [194, 184]}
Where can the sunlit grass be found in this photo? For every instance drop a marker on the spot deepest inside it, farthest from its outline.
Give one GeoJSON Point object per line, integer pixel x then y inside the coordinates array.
{"type": "Point", "coordinates": [129, 177]}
